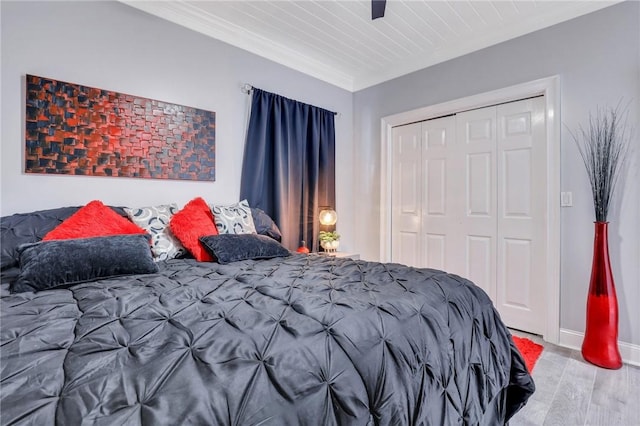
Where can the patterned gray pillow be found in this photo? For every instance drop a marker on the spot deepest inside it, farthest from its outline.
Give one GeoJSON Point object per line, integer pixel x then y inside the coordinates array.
{"type": "Point", "coordinates": [234, 219]}
{"type": "Point", "coordinates": [155, 220]}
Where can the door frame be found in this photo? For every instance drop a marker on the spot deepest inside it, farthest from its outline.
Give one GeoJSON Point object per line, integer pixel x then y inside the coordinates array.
{"type": "Point", "coordinates": [550, 88]}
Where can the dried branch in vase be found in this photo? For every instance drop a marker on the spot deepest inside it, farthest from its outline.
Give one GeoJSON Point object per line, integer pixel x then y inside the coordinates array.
{"type": "Point", "coordinates": [604, 147]}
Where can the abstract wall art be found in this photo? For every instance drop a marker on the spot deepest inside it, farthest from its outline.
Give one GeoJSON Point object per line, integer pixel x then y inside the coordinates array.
{"type": "Point", "coordinates": [79, 130]}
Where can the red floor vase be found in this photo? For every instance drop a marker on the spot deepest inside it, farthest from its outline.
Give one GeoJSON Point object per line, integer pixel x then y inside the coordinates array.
{"type": "Point", "coordinates": [600, 345]}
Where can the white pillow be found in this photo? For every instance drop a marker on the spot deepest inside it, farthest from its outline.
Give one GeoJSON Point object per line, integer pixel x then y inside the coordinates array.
{"type": "Point", "coordinates": [234, 219]}
{"type": "Point", "coordinates": [155, 220]}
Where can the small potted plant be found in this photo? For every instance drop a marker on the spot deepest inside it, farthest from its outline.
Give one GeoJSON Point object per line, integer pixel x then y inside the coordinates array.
{"type": "Point", "coordinates": [329, 240]}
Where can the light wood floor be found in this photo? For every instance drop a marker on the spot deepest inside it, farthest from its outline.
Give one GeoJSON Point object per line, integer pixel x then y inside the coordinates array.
{"type": "Point", "coordinates": [572, 392]}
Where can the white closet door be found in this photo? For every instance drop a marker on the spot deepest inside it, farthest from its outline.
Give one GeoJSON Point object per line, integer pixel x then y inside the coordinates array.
{"type": "Point", "coordinates": [522, 185]}
{"type": "Point", "coordinates": [469, 197]}
{"type": "Point", "coordinates": [440, 187]}
{"type": "Point", "coordinates": [406, 224]}
{"type": "Point", "coordinates": [477, 233]}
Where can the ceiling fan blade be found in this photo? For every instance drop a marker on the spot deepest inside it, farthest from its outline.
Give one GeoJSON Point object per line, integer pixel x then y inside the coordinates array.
{"type": "Point", "coordinates": [377, 8]}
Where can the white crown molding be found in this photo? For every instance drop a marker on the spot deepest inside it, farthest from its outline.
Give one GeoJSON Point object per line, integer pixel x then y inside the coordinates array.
{"type": "Point", "coordinates": [571, 9]}
{"type": "Point", "coordinates": [190, 17]}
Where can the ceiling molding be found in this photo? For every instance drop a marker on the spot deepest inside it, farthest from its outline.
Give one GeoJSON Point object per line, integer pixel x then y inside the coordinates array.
{"type": "Point", "coordinates": [487, 39]}
{"type": "Point", "coordinates": [187, 16]}
{"type": "Point", "coordinates": [194, 15]}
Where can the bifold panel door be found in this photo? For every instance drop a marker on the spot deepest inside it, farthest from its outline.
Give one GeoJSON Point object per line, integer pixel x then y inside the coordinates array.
{"type": "Point", "coordinates": [476, 140]}
{"type": "Point", "coordinates": [522, 222]}
{"type": "Point", "coordinates": [406, 199]}
{"type": "Point", "coordinates": [469, 197]}
{"type": "Point", "coordinates": [439, 209]}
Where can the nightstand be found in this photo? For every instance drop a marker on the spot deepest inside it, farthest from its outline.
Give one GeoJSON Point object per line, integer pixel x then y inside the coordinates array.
{"type": "Point", "coordinates": [354, 256]}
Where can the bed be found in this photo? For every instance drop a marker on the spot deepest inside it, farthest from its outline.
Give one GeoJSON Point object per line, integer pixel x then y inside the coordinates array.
{"type": "Point", "coordinates": [290, 340]}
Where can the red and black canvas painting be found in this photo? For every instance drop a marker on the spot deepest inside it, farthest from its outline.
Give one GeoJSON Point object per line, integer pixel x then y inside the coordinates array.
{"type": "Point", "coordinates": [79, 130]}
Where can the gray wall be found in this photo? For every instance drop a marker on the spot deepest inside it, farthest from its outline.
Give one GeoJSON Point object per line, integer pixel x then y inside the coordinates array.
{"type": "Point", "coordinates": [597, 57]}
{"type": "Point", "coordinates": [113, 46]}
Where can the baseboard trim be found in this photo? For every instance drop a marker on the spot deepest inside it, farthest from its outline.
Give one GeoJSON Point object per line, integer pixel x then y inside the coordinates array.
{"type": "Point", "coordinates": [630, 353]}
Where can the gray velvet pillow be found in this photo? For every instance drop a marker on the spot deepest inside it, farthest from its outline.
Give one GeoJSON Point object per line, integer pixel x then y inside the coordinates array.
{"type": "Point", "coordinates": [265, 225]}
{"type": "Point", "coordinates": [228, 248]}
{"type": "Point", "coordinates": [61, 263]}
{"type": "Point", "coordinates": [23, 228]}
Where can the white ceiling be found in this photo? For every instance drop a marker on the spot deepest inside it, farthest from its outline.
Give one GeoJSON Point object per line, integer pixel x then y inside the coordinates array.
{"type": "Point", "coordinates": [336, 40]}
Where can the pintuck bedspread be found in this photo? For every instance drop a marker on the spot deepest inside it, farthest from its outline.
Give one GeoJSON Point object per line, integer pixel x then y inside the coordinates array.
{"type": "Point", "coordinates": [299, 340]}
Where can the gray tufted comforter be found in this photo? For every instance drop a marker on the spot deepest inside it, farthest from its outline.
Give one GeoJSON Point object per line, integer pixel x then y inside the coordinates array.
{"type": "Point", "coordinates": [302, 340]}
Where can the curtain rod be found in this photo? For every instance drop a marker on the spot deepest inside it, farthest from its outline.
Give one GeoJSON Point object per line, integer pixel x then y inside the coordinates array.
{"type": "Point", "coordinates": [247, 88]}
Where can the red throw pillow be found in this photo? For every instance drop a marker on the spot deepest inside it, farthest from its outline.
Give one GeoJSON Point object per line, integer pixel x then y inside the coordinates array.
{"type": "Point", "coordinates": [93, 220]}
{"type": "Point", "coordinates": [192, 222]}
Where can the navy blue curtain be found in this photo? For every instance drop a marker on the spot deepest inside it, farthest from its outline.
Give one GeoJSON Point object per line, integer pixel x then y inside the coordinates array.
{"type": "Point", "coordinates": [289, 165]}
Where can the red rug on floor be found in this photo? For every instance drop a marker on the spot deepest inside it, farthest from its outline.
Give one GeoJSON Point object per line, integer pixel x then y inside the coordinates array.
{"type": "Point", "coordinates": [530, 351]}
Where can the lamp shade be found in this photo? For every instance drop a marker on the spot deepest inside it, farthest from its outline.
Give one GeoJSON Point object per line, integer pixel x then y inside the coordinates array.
{"type": "Point", "coordinates": [328, 217]}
